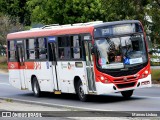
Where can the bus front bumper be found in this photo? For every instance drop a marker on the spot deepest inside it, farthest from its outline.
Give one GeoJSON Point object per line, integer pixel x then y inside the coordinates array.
{"type": "Point", "coordinates": [112, 88]}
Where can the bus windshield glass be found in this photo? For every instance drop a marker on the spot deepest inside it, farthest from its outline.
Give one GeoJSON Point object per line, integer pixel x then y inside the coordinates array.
{"type": "Point", "coordinates": [121, 51]}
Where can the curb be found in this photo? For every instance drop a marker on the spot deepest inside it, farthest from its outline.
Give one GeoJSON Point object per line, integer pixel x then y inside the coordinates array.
{"type": "Point", "coordinates": [71, 108]}
{"type": "Point", "coordinates": [40, 103]}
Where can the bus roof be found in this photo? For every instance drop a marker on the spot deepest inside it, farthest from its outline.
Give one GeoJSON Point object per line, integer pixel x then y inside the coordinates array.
{"type": "Point", "coordinates": [49, 32]}
{"type": "Point", "coordinates": [64, 29]}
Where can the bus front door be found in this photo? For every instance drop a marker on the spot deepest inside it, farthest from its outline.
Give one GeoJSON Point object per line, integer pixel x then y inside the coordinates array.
{"type": "Point", "coordinates": [53, 59]}
{"type": "Point", "coordinates": [89, 66]}
{"type": "Point", "coordinates": [20, 58]}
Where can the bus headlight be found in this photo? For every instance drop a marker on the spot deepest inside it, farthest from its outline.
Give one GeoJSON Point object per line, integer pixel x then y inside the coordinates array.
{"type": "Point", "coordinates": [103, 79]}
{"type": "Point", "coordinates": [145, 74]}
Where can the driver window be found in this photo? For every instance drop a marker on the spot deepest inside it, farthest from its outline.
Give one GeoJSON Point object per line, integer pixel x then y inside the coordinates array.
{"type": "Point", "coordinates": [114, 54]}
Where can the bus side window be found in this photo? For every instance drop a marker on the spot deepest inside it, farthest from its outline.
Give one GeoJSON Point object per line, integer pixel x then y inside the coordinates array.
{"type": "Point", "coordinates": [42, 48]}
{"type": "Point", "coordinates": [30, 49]}
{"type": "Point", "coordinates": [75, 47]}
{"type": "Point", "coordinates": [12, 50]}
{"type": "Point", "coordinates": [50, 51]}
{"type": "Point", "coordinates": [61, 53]}
{"type": "Point", "coordinates": [64, 50]}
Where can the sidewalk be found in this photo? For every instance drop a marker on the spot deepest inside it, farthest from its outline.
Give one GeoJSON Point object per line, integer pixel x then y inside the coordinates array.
{"type": "Point", "coordinates": [9, 105]}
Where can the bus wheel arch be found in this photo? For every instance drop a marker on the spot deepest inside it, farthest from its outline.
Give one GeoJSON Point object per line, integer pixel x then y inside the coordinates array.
{"type": "Point", "coordinates": [79, 89]}
{"type": "Point", "coordinates": [76, 79]}
{"type": "Point", "coordinates": [32, 81]}
{"type": "Point", "coordinates": [35, 86]}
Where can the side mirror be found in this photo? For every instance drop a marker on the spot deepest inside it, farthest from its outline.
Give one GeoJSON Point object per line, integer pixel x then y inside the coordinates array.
{"type": "Point", "coordinates": [150, 52]}
{"type": "Point", "coordinates": [92, 50]}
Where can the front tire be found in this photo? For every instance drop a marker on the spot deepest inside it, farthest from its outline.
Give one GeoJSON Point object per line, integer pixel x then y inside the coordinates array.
{"type": "Point", "coordinates": [36, 89]}
{"type": "Point", "coordinates": [127, 94]}
{"type": "Point", "coordinates": [80, 92]}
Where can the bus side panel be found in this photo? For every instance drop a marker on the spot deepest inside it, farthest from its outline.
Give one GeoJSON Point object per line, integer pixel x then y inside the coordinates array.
{"type": "Point", "coordinates": [14, 74]}
{"type": "Point", "coordinates": [42, 71]}
{"type": "Point", "coordinates": [67, 71]}
{"type": "Point", "coordinates": [14, 78]}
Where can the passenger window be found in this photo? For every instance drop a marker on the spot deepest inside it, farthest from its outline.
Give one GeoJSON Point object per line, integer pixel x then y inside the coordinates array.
{"type": "Point", "coordinates": [12, 55]}
{"type": "Point", "coordinates": [30, 48]}
{"type": "Point", "coordinates": [75, 47]}
{"type": "Point", "coordinates": [64, 50]}
{"type": "Point", "coordinates": [42, 48]}
{"type": "Point", "coordinates": [12, 45]}
{"type": "Point", "coordinates": [12, 50]}
{"type": "Point", "coordinates": [36, 48]}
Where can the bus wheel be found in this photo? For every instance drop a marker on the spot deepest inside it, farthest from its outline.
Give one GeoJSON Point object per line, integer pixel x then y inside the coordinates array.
{"type": "Point", "coordinates": [36, 89]}
{"type": "Point", "coordinates": [80, 92]}
{"type": "Point", "coordinates": [127, 94]}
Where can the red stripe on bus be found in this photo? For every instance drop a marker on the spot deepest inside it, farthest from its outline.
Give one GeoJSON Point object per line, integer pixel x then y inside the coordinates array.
{"type": "Point", "coordinates": [13, 65]}
{"type": "Point", "coordinates": [51, 32]}
{"type": "Point", "coordinates": [27, 65]}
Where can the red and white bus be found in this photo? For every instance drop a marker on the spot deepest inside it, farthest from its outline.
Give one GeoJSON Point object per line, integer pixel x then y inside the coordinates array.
{"type": "Point", "coordinates": [86, 58]}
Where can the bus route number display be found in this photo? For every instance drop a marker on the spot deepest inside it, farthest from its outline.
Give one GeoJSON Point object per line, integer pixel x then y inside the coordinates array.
{"type": "Point", "coordinates": [119, 29]}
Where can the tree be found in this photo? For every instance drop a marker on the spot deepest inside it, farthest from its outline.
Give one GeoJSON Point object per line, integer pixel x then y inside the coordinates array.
{"type": "Point", "coordinates": [124, 9]}
{"type": "Point", "coordinates": [77, 11]}
{"type": "Point", "coordinates": [8, 25]}
{"type": "Point", "coordinates": [65, 12]}
{"type": "Point", "coordinates": [16, 9]}
{"type": "Point", "coordinates": [154, 12]}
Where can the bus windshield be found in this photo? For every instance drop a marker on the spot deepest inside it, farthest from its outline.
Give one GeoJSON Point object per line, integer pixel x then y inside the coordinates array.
{"type": "Point", "coordinates": [121, 51]}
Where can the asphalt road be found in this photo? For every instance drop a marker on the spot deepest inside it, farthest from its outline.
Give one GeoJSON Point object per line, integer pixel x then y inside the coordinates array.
{"type": "Point", "coordinates": [146, 99]}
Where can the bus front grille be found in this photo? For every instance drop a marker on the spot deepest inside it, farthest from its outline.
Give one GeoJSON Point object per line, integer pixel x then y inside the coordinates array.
{"type": "Point", "coordinates": [122, 79]}
{"type": "Point", "coordinates": [120, 86]}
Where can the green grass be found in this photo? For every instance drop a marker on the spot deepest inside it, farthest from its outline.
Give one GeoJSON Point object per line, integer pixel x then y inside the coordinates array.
{"type": "Point", "coordinates": [8, 100]}
{"type": "Point", "coordinates": [3, 66]}
{"type": "Point", "coordinates": [155, 75]}
{"type": "Point", "coordinates": [3, 63]}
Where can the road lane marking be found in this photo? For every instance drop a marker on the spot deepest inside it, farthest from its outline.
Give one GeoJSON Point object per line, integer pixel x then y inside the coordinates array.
{"type": "Point", "coordinates": [4, 84]}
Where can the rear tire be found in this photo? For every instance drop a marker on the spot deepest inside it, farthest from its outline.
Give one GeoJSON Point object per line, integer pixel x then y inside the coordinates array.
{"type": "Point", "coordinates": [36, 89]}
{"type": "Point", "coordinates": [80, 92]}
{"type": "Point", "coordinates": [127, 94]}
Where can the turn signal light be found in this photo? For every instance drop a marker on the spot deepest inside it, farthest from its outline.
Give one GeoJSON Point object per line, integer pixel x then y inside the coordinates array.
{"type": "Point", "coordinates": [106, 81]}
{"type": "Point", "coordinates": [145, 74]}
